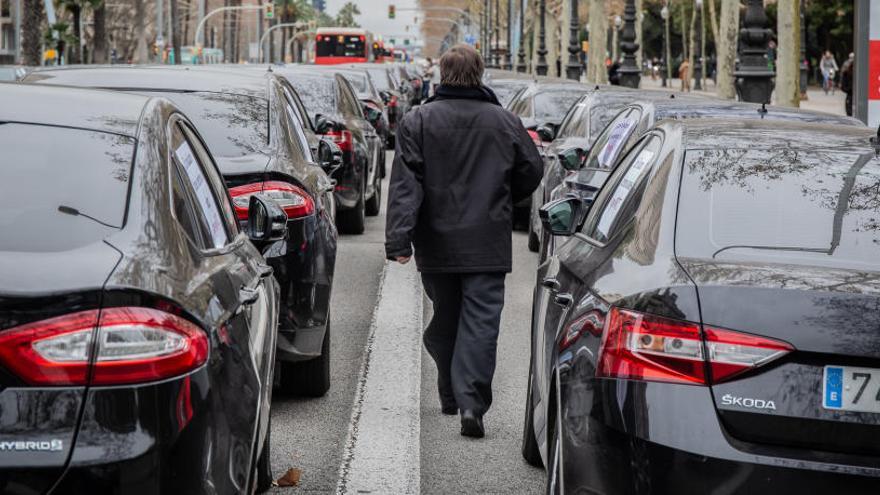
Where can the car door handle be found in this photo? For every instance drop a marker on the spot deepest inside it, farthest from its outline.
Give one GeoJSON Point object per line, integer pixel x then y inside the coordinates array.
{"type": "Point", "coordinates": [264, 270]}
{"type": "Point", "coordinates": [551, 283]}
{"type": "Point", "coordinates": [248, 296]}
{"type": "Point", "coordinates": [563, 299]}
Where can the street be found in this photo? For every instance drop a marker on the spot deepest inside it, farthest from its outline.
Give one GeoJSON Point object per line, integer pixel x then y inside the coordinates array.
{"type": "Point", "coordinates": [311, 434]}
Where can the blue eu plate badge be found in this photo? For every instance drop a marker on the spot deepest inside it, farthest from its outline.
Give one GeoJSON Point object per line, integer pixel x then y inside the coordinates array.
{"type": "Point", "coordinates": [833, 388]}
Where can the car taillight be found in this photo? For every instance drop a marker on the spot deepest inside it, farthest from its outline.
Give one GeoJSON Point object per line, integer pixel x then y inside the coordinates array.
{"type": "Point", "coordinates": [393, 101]}
{"type": "Point", "coordinates": [647, 347]}
{"type": "Point", "coordinates": [134, 345]}
{"type": "Point", "coordinates": [536, 139]}
{"type": "Point", "coordinates": [292, 199]}
{"type": "Point", "coordinates": [342, 139]}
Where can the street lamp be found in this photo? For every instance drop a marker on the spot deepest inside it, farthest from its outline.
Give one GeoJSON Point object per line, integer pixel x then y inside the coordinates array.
{"type": "Point", "coordinates": [495, 62]}
{"type": "Point", "coordinates": [630, 72]}
{"type": "Point", "coordinates": [667, 53]}
{"type": "Point", "coordinates": [754, 80]}
{"type": "Point", "coordinates": [541, 66]}
{"type": "Point", "coordinates": [521, 63]}
{"type": "Point", "coordinates": [615, 39]}
{"type": "Point", "coordinates": [698, 48]}
{"type": "Point", "coordinates": [573, 68]}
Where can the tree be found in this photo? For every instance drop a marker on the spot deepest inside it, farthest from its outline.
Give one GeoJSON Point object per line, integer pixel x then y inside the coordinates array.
{"type": "Point", "coordinates": [59, 36]}
{"type": "Point", "coordinates": [726, 48]}
{"type": "Point", "coordinates": [789, 49]}
{"type": "Point", "coordinates": [100, 54]}
{"type": "Point", "coordinates": [346, 15]}
{"type": "Point", "coordinates": [596, 71]}
{"type": "Point", "coordinates": [31, 29]}
{"type": "Point", "coordinates": [140, 55]}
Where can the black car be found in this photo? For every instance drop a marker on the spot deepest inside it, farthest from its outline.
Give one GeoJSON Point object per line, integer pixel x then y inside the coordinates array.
{"type": "Point", "coordinates": [373, 104]}
{"type": "Point", "coordinates": [137, 321]}
{"type": "Point", "coordinates": [713, 320]}
{"type": "Point", "coordinates": [587, 162]}
{"type": "Point", "coordinates": [337, 113]}
{"type": "Point", "coordinates": [506, 84]}
{"type": "Point", "coordinates": [387, 84]}
{"type": "Point", "coordinates": [252, 127]}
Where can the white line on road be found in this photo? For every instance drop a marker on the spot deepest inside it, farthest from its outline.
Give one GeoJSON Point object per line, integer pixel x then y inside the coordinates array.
{"type": "Point", "coordinates": [382, 451]}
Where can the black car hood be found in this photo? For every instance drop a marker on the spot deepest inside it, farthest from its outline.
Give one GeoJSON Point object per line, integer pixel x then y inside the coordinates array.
{"type": "Point", "coordinates": [247, 164]}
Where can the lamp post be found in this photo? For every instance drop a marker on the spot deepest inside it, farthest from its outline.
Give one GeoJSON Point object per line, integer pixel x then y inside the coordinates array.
{"type": "Point", "coordinates": [541, 66]}
{"type": "Point", "coordinates": [573, 68]}
{"type": "Point", "coordinates": [630, 73]}
{"type": "Point", "coordinates": [521, 62]}
{"type": "Point", "coordinates": [754, 80]}
{"type": "Point", "coordinates": [615, 39]}
{"type": "Point", "coordinates": [508, 53]}
{"type": "Point", "coordinates": [804, 65]}
{"type": "Point", "coordinates": [698, 48]}
{"type": "Point", "coordinates": [667, 59]}
{"type": "Point", "coordinates": [495, 55]}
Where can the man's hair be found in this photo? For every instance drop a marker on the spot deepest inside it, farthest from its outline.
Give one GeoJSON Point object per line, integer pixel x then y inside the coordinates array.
{"type": "Point", "coordinates": [461, 66]}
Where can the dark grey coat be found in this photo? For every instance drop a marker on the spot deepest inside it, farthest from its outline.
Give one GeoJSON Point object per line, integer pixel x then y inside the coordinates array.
{"type": "Point", "coordinates": [461, 163]}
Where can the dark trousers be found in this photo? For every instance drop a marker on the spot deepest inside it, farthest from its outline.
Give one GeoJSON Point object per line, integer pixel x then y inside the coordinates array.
{"type": "Point", "coordinates": [462, 336]}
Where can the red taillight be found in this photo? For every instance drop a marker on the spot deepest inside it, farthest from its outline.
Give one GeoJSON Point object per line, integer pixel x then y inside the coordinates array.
{"type": "Point", "coordinates": [647, 347]}
{"type": "Point", "coordinates": [342, 139]}
{"type": "Point", "coordinates": [134, 345]}
{"type": "Point", "coordinates": [318, 38]}
{"type": "Point", "coordinates": [393, 101]}
{"type": "Point", "coordinates": [536, 139]}
{"type": "Point", "coordinates": [292, 199]}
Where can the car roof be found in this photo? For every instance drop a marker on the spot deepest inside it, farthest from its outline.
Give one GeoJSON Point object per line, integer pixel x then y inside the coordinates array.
{"type": "Point", "coordinates": [715, 108]}
{"type": "Point", "coordinates": [104, 111]}
{"type": "Point", "coordinates": [159, 77]}
{"type": "Point", "coordinates": [727, 133]}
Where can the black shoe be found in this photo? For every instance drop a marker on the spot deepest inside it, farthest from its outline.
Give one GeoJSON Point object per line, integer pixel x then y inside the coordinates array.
{"type": "Point", "coordinates": [472, 424]}
{"type": "Point", "coordinates": [449, 408]}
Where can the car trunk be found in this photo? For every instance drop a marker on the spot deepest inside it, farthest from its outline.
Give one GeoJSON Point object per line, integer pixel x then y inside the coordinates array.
{"type": "Point", "coordinates": [832, 319]}
{"type": "Point", "coordinates": [38, 424]}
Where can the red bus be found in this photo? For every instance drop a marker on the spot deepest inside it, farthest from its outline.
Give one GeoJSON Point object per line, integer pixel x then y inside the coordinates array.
{"type": "Point", "coordinates": [336, 45]}
{"type": "Point", "coordinates": [381, 53]}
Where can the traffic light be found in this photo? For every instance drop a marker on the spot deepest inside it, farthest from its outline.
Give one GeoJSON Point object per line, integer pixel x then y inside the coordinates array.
{"type": "Point", "coordinates": [269, 10]}
{"type": "Point", "coordinates": [392, 11]}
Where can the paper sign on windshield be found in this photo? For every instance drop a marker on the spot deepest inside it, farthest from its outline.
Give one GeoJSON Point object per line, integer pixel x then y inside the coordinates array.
{"type": "Point", "coordinates": [203, 193]}
{"type": "Point", "coordinates": [623, 189]}
{"type": "Point", "coordinates": [616, 140]}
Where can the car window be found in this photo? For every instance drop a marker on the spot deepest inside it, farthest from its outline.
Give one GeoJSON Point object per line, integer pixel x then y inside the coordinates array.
{"type": "Point", "coordinates": [783, 205]}
{"type": "Point", "coordinates": [45, 168]}
{"type": "Point", "coordinates": [296, 125]}
{"type": "Point", "coordinates": [612, 140]}
{"type": "Point", "coordinates": [352, 104]}
{"type": "Point", "coordinates": [623, 187]}
{"type": "Point", "coordinates": [571, 124]}
{"type": "Point", "coordinates": [215, 179]}
{"type": "Point", "coordinates": [319, 94]}
{"type": "Point", "coordinates": [554, 104]}
{"type": "Point", "coordinates": [213, 227]}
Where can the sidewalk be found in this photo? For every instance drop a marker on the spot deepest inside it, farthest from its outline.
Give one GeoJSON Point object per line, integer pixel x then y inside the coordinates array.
{"type": "Point", "coordinates": [816, 100]}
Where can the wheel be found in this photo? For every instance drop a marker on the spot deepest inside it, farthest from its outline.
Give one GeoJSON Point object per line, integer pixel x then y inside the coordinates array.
{"type": "Point", "coordinates": [263, 468]}
{"type": "Point", "coordinates": [534, 242]}
{"type": "Point", "coordinates": [352, 221]}
{"type": "Point", "coordinates": [374, 204]}
{"type": "Point", "coordinates": [309, 378]}
{"type": "Point", "coordinates": [553, 485]}
{"type": "Point", "coordinates": [530, 451]}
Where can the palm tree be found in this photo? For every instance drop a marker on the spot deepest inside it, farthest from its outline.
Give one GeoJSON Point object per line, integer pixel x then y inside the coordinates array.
{"type": "Point", "coordinates": [346, 15]}
{"type": "Point", "coordinates": [76, 9]}
{"type": "Point", "coordinates": [31, 29]}
{"type": "Point", "coordinates": [58, 36]}
{"type": "Point", "coordinates": [100, 54]}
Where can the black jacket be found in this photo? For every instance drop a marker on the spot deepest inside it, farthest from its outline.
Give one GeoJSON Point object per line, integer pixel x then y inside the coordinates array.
{"type": "Point", "coordinates": [461, 162]}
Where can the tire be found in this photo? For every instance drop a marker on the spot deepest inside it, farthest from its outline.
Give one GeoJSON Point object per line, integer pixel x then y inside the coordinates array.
{"type": "Point", "coordinates": [553, 484]}
{"type": "Point", "coordinates": [263, 468]}
{"type": "Point", "coordinates": [530, 450]}
{"type": "Point", "coordinates": [309, 378]}
{"type": "Point", "coordinates": [374, 204]}
{"type": "Point", "coordinates": [352, 221]}
{"type": "Point", "coordinates": [534, 242]}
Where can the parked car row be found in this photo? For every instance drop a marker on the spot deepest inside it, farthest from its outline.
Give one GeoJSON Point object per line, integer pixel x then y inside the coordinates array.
{"type": "Point", "coordinates": [174, 238]}
{"type": "Point", "coordinates": [706, 305]}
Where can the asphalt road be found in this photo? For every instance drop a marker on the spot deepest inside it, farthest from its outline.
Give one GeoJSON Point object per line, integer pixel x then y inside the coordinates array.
{"type": "Point", "coordinates": [311, 434]}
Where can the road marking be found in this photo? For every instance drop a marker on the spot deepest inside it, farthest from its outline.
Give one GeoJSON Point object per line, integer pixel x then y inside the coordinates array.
{"type": "Point", "coordinates": [382, 451]}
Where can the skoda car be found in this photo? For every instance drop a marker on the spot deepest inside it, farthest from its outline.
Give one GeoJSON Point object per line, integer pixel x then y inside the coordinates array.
{"type": "Point", "coordinates": [712, 322]}
{"type": "Point", "coordinates": [137, 321]}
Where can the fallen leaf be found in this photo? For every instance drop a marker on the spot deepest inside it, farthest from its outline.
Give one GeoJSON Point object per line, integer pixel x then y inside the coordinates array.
{"type": "Point", "coordinates": [290, 478]}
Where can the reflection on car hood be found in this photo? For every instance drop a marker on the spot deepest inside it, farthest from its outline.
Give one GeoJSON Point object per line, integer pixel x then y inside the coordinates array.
{"type": "Point", "coordinates": [254, 163]}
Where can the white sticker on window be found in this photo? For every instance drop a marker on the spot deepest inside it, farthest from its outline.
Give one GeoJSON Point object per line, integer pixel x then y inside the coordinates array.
{"type": "Point", "coordinates": [616, 140]}
{"type": "Point", "coordinates": [203, 192]}
{"type": "Point", "coordinates": [623, 189]}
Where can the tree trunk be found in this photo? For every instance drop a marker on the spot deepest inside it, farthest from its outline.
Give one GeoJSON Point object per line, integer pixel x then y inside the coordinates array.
{"type": "Point", "coordinates": [725, 47]}
{"type": "Point", "coordinates": [141, 54]}
{"type": "Point", "coordinates": [684, 38]}
{"type": "Point", "coordinates": [175, 31]}
{"type": "Point", "coordinates": [75, 52]}
{"type": "Point", "coordinates": [227, 46]}
{"type": "Point", "coordinates": [30, 31]}
{"type": "Point", "coordinates": [691, 45]}
{"type": "Point", "coordinates": [788, 49]}
{"type": "Point", "coordinates": [100, 53]}
{"type": "Point", "coordinates": [713, 20]}
{"type": "Point", "coordinates": [596, 72]}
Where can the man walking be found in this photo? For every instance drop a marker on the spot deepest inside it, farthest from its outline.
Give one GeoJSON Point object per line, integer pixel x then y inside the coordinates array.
{"type": "Point", "coordinates": [461, 162]}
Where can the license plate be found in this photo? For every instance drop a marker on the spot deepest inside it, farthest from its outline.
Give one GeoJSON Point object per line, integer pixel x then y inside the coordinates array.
{"type": "Point", "coordinates": [847, 388]}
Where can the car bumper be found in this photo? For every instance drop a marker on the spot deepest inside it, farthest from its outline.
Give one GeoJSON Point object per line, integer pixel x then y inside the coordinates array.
{"type": "Point", "coordinates": [348, 183]}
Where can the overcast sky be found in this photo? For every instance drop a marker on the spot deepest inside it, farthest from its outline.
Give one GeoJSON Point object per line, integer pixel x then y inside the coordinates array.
{"type": "Point", "coordinates": [374, 16]}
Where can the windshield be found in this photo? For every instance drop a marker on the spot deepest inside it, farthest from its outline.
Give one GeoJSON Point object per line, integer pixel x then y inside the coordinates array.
{"type": "Point", "coordinates": [232, 125]}
{"type": "Point", "coordinates": [84, 171]}
{"type": "Point", "coordinates": [554, 105]}
{"type": "Point", "coordinates": [815, 207]}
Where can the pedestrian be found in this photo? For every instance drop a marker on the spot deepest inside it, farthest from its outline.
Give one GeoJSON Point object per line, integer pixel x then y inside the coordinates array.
{"type": "Point", "coordinates": [684, 73]}
{"type": "Point", "coordinates": [846, 82]}
{"type": "Point", "coordinates": [433, 75]}
{"type": "Point", "coordinates": [828, 66]}
{"type": "Point", "coordinates": [426, 79]}
{"type": "Point", "coordinates": [460, 164]}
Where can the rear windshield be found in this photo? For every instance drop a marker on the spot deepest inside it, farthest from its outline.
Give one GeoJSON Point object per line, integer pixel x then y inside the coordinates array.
{"type": "Point", "coordinates": [555, 105]}
{"type": "Point", "coordinates": [318, 94]}
{"type": "Point", "coordinates": [232, 125]}
{"type": "Point", "coordinates": [380, 79]}
{"type": "Point", "coordinates": [811, 207]}
{"type": "Point", "coordinates": [45, 168]}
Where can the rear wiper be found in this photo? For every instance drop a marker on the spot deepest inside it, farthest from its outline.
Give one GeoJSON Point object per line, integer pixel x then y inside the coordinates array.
{"type": "Point", "coordinates": [773, 248]}
{"type": "Point", "coordinates": [73, 211]}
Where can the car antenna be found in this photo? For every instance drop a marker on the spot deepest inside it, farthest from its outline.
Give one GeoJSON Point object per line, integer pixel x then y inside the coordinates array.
{"type": "Point", "coordinates": [763, 110]}
{"type": "Point", "coordinates": [69, 210]}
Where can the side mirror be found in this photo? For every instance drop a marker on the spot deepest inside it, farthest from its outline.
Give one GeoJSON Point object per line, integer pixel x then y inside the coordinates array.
{"type": "Point", "coordinates": [546, 132]}
{"type": "Point", "coordinates": [571, 159]}
{"type": "Point", "coordinates": [386, 96]}
{"type": "Point", "coordinates": [267, 222]}
{"type": "Point", "coordinates": [323, 125]}
{"type": "Point", "coordinates": [371, 113]}
{"type": "Point", "coordinates": [329, 155]}
{"type": "Point", "coordinates": [563, 216]}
